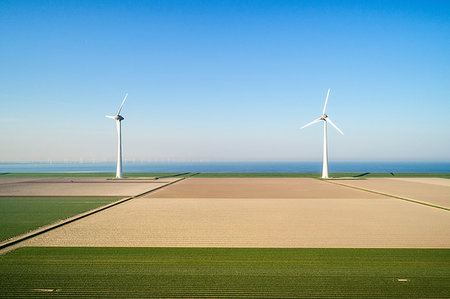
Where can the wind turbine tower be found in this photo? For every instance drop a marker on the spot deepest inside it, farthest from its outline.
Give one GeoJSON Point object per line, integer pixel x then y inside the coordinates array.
{"type": "Point", "coordinates": [325, 120]}
{"type": "Point", "coordinates": [118, 118]}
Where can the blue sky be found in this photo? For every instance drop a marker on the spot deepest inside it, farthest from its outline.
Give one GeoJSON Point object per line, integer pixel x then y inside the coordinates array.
{"type": "Point", "coordinates": [224, 80]}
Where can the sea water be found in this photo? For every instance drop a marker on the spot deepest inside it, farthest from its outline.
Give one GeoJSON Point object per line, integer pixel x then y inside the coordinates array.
{"type": "Point", "coordinates": [224, 167]}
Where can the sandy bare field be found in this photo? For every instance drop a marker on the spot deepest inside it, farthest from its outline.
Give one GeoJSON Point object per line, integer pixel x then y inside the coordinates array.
{"type": "Point", "coordinates": [76, 186]}
{"type": "Point", "coordinates": [432, 181]}
{"type": "Point", "coordinates": [258, 188]}
{"type": "Point", "coordinates": [435, 191]}
{"type": "Point", "coordinates": [344, 218]}
{"type": "Point", "coordinates": [14, 180]}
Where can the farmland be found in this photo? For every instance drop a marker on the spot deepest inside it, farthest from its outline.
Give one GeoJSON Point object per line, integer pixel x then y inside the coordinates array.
{"type": "Point", "coordinates": [254, 237]}
{"type": "Point", "coordinates": [19, 215]}
{"type": "Point", "coordinates": [222, 272]}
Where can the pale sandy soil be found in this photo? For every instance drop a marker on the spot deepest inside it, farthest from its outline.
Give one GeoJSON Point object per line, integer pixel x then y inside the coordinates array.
{"type": "Point", "coordinates": [258, 188]}
{"type": "Point", "coordinates": [76, 186]}
{"type": "Point", "coordinates": [433, 191]}
{"type": "Point", "coordinates": [13, 180]}
{"type": "Point", "coordinates": [310, 214]}
{"type": "Point", "coordinates": [432, 181]}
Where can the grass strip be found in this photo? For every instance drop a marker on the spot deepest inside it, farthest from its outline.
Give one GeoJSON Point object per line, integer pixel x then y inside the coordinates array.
{"type": "Point", "coordinates": [226, 175]}
{"type": "Point", "coordinates": [225, 272]}
{"type": "Point", "coordinates": [318, 175]}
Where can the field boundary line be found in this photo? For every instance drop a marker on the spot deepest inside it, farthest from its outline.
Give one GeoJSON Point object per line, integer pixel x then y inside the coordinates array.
{"type": "Point", "coordinates": [389, 195]}
{"type": "Point", "coordinates": [49, 227]}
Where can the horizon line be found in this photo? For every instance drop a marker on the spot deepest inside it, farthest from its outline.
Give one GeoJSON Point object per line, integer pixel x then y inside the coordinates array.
{"type": "Point", "coordinates": [222, 161]}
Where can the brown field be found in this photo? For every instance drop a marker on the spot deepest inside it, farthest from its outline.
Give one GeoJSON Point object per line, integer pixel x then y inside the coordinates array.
{"type": "Point", "coordinates": [259, 212]}
{"type": "Point", "coordinates": [258, 188]}
{"type": "Point", "coordinates": [432, 181]}
{"type": "Point", "coordinates": [76, 186]}
{"type": "Point", "coordinates": [435, 191]}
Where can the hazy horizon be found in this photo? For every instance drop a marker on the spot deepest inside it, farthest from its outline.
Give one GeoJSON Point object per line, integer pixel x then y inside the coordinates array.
{"type": "Point", "coordinates": [217, 161]}
{"type": "Point", "coordinates": [228, 167]}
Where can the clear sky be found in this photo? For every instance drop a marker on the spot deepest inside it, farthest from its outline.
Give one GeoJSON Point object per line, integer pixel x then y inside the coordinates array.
{"type": "Point", "coordinates": [224, 80]}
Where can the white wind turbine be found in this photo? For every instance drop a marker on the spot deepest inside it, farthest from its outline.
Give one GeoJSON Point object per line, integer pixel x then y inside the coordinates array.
{"type": "Point", "coordinates": [325, 119]}
{"type": "Point", "coordinates": [119, 119]}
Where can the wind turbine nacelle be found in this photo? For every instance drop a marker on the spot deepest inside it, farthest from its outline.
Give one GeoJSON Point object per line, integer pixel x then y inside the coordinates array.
{"type": "Point", "coordinates": [119, 117]}
{"type": "Point", "coordinates": [323, 116]}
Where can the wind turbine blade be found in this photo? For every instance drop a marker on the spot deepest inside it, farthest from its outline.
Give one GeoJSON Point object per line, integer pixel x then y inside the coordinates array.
{"type": "Point", "coordinates": [326, 101]}
{"type": "Point", "coordinates": [118, 112]}
{"type": "Point", "coordinates": [109, 116]}
{"type": "Point", "coordinates": [331, 123]}
{"type": "Point", "coordinates": [313, 122]}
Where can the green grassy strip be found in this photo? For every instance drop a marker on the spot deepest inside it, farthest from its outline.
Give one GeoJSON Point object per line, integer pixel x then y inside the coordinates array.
{"type": "Point", "coordinates": [445, 175]}
{"type": "Point", "coordinates": [318, 175]}
{"type": "Point", "coordinates": [184, 175]}
{"type": "Point", "coordinates": [19, 215]}
{"type": "Point", "coordinates": [226, 175]}
{"type": "Point", "coordinates": [224, 272]}
{"type": "Point", "coordinates": [389, 195]}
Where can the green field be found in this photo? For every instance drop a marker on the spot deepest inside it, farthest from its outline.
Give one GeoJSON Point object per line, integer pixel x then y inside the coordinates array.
{"type": "Point", "coordinates": [226, 273]}
{"type": "Point", "coordinates": [19, 215]}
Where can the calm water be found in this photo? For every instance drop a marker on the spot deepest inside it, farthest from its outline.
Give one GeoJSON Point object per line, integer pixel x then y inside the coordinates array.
{"type": "Point", "coordinates": [229, 167]}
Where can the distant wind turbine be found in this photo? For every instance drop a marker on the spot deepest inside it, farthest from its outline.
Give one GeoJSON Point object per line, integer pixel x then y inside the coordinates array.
{"type": "Point", "coordinates": [325, 119]}
{"type": "Point", "coordinates": [119, 119]}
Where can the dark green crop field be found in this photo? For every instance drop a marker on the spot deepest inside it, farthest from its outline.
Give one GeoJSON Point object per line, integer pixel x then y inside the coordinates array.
{"type": "Point", "coordinates": [19, 215]}
{"type": "Point", "coordinates": [225, 273]}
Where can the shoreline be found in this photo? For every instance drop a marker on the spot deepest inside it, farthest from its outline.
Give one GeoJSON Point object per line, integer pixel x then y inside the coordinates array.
{"type": "Point", "coordinates": [336, 175]}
